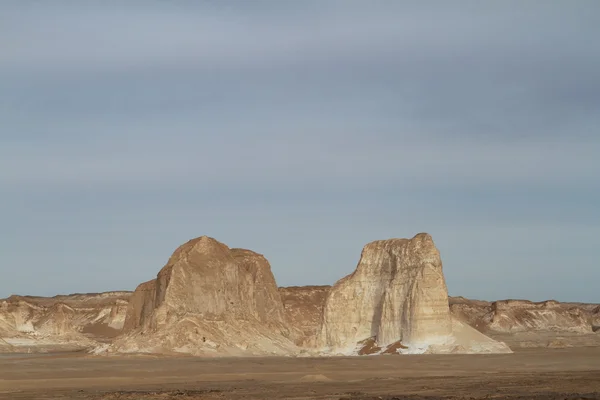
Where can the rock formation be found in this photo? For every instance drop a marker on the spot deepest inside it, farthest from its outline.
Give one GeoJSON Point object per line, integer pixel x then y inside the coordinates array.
{"type": "Point", "coordinates": [397, 293]}
{"type": "Point", "coordinates": [304, 311]}
{"type": "Point", "coordinates": [62, 322]}
{"type": "Point", "coordinates": [215, 301]}
{"type": "Point", "coordinates": [208, 300]}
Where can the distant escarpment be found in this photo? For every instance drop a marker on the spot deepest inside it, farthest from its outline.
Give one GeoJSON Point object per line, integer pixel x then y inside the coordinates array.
{"type": "Point", "coordinates": [523, 323]}
{"type": "Point", "coordinates": [66, 322]}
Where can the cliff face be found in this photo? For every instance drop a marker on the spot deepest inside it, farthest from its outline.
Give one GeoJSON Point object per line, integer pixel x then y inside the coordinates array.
{"type": "Point", "coordinates": [141, 305]}
{"type": "Point", "coordinates": [397, 294]}
{"type": "Point", "coordinates": [303, 307]}
{"type": "Point", "coordinates": [208, 300]}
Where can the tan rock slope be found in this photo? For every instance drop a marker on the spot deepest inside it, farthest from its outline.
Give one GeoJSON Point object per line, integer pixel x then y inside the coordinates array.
{"type": "Point", "coordinates": [303, 307]}
{"type": "Point", "coordinates": [69, 322]}
{"type": "Point", "coordinates": [397, 294]}
{"type": "Point", "coordinates": [208, 300]}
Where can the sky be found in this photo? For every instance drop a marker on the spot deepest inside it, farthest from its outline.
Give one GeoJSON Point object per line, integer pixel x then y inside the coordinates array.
{"type": "Point", "coordinates": [301, 130]}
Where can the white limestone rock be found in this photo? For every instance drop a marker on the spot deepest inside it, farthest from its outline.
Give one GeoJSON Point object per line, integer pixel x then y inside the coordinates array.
{"type": "Point", "coordinates": [396, 294]}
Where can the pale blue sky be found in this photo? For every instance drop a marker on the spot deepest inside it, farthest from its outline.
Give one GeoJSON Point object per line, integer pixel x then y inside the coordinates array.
{"type": "Point", "coordinates": [301, 130]}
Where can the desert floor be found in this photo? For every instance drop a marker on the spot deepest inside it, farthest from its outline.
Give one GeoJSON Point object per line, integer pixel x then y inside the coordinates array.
{"type": "Point", "coordinates": [527, 374]}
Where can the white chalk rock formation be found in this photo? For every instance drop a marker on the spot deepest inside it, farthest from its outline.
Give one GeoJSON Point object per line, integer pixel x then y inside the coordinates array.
{"type": "Point", "coordinates": [396, 294]}
{"type": "Point", "coordinates": [208, 300]}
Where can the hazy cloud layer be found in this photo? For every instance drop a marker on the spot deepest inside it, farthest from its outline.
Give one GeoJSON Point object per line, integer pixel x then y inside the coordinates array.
{"type": "Point", "coordinates": [301, 130]}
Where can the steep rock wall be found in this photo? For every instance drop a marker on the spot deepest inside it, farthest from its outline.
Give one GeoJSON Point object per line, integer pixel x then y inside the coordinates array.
{"type": "Point", "coordinates": [397, 292]}
{"type": "Point", "coordinates": [140, 306]}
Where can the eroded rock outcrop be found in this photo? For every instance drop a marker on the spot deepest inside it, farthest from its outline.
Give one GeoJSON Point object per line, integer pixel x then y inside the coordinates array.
{"type": "Point", "coordinates": [513, 316]}
{"type": "Point", "coordinates": [523, 323]}
{"type": "Point", "coordinates": [77, 321]}
{"type": "Point", "coordinates": [208, 300]}
{"type": "Point", "coordinates": [397, 294]}
{"type": "Point", "coordinates": [521, 316]}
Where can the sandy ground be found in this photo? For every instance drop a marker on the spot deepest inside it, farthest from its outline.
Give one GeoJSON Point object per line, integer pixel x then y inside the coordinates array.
{"type": "Point", "coordinates": [528, 374]}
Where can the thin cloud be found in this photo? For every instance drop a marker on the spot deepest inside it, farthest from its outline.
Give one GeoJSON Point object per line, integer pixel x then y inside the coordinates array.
{"type": "Point", "coordinates": [290, 159]}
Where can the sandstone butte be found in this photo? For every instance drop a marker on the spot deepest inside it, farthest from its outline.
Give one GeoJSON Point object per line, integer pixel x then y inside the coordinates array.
{"type": "Point", "coordinates": [208, 300]}
{"type": "Point", "coordinates": [211, 300]}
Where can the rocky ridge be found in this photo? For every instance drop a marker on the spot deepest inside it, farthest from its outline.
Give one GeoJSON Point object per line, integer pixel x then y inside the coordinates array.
{"type": "Point", "coordinates": [523, 323]}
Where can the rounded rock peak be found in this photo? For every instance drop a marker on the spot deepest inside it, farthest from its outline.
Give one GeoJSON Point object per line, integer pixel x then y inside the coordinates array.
{"type": "Point", "coordinates": [203, 244]}
{"type": "Point", "coordinates": [423, 242]}
{"type": "Point", "coordinates": [206, 241]}
{"type": "Point", "coordinates": [208, 246]}
{"type": "Point", "coordinates": [422, 237]}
